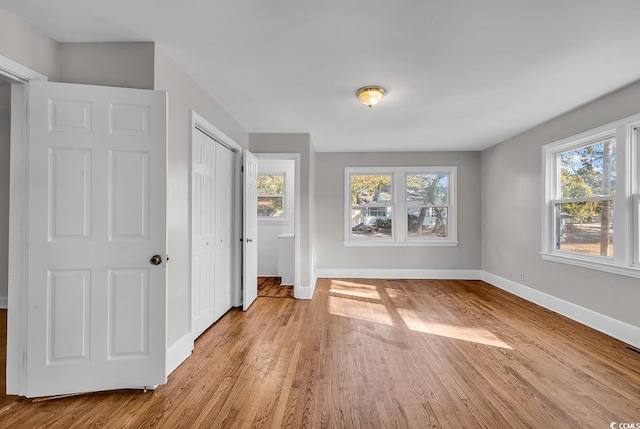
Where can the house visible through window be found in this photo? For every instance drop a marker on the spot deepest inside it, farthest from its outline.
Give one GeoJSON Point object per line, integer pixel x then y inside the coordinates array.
{"type": "Point", "coordinates": [425, 196]}
{"type": "Point", "coordinates": [271, 196]}
{"type": "Point", "coordinates": [591, 183]}
{"type": "Point", "coordinates": [371, 205]}
{"type": "Point", "coordinates": [427, 204]}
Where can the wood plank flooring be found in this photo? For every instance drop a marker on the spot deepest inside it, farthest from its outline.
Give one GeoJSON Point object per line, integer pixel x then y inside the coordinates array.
{"type": "Point", "coordinates": [271, 287]}
{"type": "Point", "coordinates": [375, 354]}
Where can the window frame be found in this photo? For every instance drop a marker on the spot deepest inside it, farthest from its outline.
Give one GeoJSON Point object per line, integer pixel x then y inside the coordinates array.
{"type": "Point", "coordinates": [399, 206]}
{"type": "Point", "coordinates": [626, 228]}
{"type": "Point", "coordinates": [274, 219]}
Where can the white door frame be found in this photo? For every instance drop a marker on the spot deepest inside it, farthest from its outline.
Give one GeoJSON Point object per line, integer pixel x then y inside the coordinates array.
{"type": "Point", "coordinates": [198, 122]}
{"type": "Point", "coordinates": [295, 157]}
{"type": "Point", "coordinates": [19, 76]}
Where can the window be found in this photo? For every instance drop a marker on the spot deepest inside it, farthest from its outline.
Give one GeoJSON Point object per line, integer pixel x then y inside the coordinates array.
{"type": "Point", "coordinates": [400, 206]}
{"type": "Point", "coordinates": [427, 204]}
{"type": "Point", "coordinates": [589, 204]}
{"type": "Point", "coordinates": [271, 196]}
{"type": "Point", "coordinates": [371, 205]}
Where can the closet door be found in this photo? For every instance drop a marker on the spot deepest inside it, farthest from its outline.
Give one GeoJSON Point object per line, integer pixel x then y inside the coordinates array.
{"type": "Point", "coordinates": [225, 161]}
{"type": "Point", "coordinates": [203, 232]}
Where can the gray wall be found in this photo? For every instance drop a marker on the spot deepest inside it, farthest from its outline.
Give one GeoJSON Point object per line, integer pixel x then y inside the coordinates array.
{"type": "Point", "coordinates": [296, 143]}
{"type": "Point", "coordinates": [331, 252]}
{"type": "Point", "coordinates": [511, 214]}
{"type": "Point", "coordinates": [25, 45]}
{"type": "Point", "coordinates": [184, 95]}
{"type": "Point", "coordinates": [127, 65]}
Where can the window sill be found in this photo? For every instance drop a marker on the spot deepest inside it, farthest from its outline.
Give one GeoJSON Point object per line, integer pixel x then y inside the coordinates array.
{"type": "Point", "coordinates": [263, 221]}
{"type": "Point", "coordinates": [379, 243]}
{"type": "Point", "coordinates": [606, 266]}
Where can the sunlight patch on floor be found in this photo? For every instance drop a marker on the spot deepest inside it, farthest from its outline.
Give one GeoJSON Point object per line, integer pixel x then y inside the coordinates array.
{"type": "Point", "coordinates": [359, 310]}
{"type": "Point", "coordinates": [354, 289]}
{"type": "Point", "coordinates": [464, 333]}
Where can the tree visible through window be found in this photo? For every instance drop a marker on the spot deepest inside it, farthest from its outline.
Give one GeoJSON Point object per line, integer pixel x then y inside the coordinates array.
{"type": "Point", "coordinates": [427, 204]}
{"type": "Point", "coordinates": [585, 206]}
{"type": "Point", "coordinates": [270, 195]}
{"type": "Point", "coordinates": [400, 206]}
{"type": "Point", "coordinates": [371, 207]}
{"type": "Point", "coordinates": [591, 205]}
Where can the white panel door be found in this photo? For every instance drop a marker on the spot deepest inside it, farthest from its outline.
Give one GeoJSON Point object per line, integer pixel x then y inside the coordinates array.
{"type": "Point", "coordinates": [225, 161]}
{"type": "Point", "coordinates": [97, 216]}
{"type": "Point", "coordinates": [203, 239]}
{"type": "Point", "coordinates": [250, 230]}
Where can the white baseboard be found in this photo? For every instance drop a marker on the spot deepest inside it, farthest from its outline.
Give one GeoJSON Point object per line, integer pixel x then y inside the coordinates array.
{"type": "Point", "coordinates": [178, 352]}
{"type": "Point", "coordinates": [382, 273]}
{"type": "Point", "coordinates": [4, 302]}
{"type": "Point", "coordinates": [617, 329]}
{"type": "Point", "coordinates": [305, 292]}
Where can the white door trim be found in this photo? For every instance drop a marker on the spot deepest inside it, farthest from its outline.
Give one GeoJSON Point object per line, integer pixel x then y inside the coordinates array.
{"type": "Point", "coordinates": [200, 123]}
{"type": "Point", "coordinates": [295, 157]}
{"type": "Point", "coordinates": [18, 75]}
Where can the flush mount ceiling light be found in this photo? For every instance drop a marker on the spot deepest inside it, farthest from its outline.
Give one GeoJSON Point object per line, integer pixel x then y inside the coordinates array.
{"type": "Point", "coordinates": [370, 95]}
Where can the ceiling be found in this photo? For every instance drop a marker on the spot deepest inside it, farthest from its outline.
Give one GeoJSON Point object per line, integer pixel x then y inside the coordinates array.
{"type": "Point", "coordinates": [459, 74]}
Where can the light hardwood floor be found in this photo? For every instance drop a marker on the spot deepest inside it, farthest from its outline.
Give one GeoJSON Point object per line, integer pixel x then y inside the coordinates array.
{"type": "Point", "coordinates": [271, 287]}
{"type": "Point", "coordinates": [375, 353]}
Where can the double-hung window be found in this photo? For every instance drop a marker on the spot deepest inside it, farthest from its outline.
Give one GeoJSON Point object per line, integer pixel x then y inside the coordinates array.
{"type": "Point", "coordinates": [400, 206]}
{"type": "Point", "coordinates": [590, 201]}
{"type": "Point", "coordinates": [270, 192]}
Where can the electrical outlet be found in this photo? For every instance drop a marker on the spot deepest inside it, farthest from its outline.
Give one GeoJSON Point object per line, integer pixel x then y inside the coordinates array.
{"type": "Point", "coordinates": [521, 276]}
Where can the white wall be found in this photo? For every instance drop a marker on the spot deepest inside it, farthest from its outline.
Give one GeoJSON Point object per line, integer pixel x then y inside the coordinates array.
{"type": "Point", "coordinates": [332, 253]}
{"type": "Point", "coordinates": [270, 229]}
{"type": "Point", "coordinates": [511, 212]}
{"type": "Point", "coordinates": [5, 123]}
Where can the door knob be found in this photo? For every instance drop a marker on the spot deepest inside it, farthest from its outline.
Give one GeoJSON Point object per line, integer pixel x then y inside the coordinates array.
{"type": "Point", "coordinates": [156, 260]}
{"type": "Point", "coordinates": [249, 240]}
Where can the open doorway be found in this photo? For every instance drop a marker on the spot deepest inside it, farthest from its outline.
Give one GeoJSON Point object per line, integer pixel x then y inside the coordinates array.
{"type": "Point", "coordinates": [278, 224]}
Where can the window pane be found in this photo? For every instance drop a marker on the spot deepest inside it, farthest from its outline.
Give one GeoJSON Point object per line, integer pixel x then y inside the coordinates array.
{"type": "Point", "coordinates": [585, 227]}
{"type": "Point", "coordinates": [589, 170]}
{"type": "Point", "coordinates": [270, 206]}
{"type": "Point", "coordinates": [368, 189]}
{"type": "Point", "coordinates": [270, 184]}
{"type": "Point", "coordinates": [427, 221]}
{"type": "Point", "coordinates": [371, 221]}
{"type": "Point", "coordinates": [427, 189]}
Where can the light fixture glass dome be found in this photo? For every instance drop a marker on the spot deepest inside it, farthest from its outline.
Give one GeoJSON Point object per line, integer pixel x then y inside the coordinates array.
{"type": "Point", "coordinates": [370, 95]}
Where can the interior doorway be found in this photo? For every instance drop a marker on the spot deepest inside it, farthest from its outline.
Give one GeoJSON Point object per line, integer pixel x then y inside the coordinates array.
{"type": "Point", "coordinates": [278, 224]}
